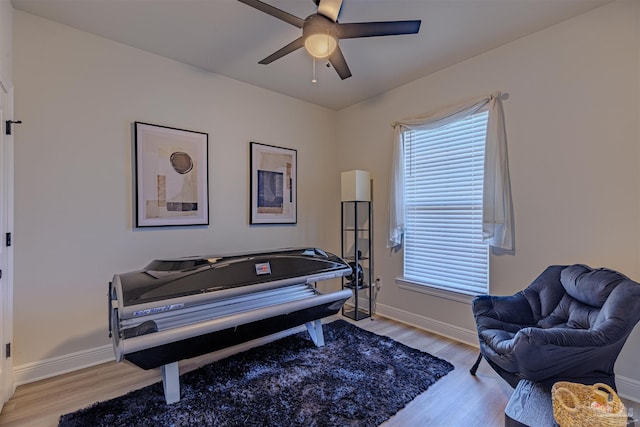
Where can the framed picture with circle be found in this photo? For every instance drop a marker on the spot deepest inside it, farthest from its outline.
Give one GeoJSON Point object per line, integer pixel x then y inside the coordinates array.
{"type": "Point", "coordinates": [171, 173]}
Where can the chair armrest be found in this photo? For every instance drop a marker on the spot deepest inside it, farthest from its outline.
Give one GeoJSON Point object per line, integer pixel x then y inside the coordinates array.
{"type": "Point", "coordinates": [514, 309]}
{"type": "Point", "coordinates": [549, 355]}
{"type": "Point", "coordinates": [562, 337]}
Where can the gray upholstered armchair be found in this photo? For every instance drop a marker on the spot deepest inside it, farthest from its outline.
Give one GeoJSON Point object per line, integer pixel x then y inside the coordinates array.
{"type": "Point", "coordinates": [568, 325]}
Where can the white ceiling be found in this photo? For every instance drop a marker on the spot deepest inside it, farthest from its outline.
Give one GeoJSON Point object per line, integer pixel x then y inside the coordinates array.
{"type": "Point", "coordinates": [229, 38]}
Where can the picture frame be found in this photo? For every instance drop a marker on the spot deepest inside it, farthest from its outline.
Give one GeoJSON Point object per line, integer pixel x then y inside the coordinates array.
{"type": "Point", "coordinates": [171, 173]}
{"type": "Point", "coordinates": [273, 184]}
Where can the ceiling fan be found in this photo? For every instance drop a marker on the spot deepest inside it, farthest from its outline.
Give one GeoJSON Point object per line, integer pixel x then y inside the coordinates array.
{"type": "Point", "coordinates": [321, 32]}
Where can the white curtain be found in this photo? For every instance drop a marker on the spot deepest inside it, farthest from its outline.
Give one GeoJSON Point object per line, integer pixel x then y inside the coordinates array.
{"type": "Point", "coordinates": [497, 207]}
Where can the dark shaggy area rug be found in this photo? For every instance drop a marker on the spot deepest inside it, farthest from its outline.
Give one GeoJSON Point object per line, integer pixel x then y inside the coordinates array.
{"type": "Point", "coordinates": [357, 379]}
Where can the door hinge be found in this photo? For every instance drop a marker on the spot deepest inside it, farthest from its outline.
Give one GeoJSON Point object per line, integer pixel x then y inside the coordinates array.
{"type": "Point", "coordinates": [7, 239]}
{"type": "Point", "coordinates": [7, 350]}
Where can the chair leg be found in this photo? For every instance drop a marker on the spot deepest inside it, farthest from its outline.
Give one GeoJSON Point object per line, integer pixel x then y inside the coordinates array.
{"type": "Point", "coordinates": [474, 368]}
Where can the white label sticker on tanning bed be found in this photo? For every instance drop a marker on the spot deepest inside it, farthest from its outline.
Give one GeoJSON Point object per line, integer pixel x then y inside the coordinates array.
{"type": "Point", "coordinates": [155, 310]}
{"type": "Point", "coordinates": [263, 268]}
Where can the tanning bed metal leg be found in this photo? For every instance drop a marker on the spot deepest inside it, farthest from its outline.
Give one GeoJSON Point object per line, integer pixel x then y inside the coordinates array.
{"type": "Point", "coordinates": [171, 376]}
{"type": "Point", "coordinates": [171, 382]}
{"type": "Point", "coordinates": [315, 332]}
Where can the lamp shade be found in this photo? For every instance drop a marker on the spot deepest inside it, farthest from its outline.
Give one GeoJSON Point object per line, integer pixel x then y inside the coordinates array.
{"type": "Point", "coordinates": [320, 36]}
{"type": "Point", "coordinates": [355, 186]}
{"type": "Point", "coordinates": [320, 45]}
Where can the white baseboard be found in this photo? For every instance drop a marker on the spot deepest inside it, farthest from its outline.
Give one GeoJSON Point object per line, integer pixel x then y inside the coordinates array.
{"type": "Point", "coordinates": [48, 368]}
{"type": "Point", "coordinates": [456, 333]}
{"type": "Point", "coordinates": [628, 388]}
{"type": "Point", "coordinates": [43, 369]}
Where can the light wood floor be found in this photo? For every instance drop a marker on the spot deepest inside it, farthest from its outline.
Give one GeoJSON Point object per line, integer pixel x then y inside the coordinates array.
{"type": "Point", "coordinates": [458, 399]}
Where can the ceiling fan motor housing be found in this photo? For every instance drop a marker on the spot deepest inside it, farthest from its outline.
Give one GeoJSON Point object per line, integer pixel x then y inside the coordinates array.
{"type": "Point", "coordinates": [318, 24]}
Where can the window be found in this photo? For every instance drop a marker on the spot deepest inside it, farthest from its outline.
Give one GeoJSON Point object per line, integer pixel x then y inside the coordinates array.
{"type": "Point", "coordinates": [443, 179]}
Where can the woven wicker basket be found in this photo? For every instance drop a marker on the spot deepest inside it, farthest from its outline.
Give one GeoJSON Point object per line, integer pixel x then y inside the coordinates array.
{"type": "Point", "coordinates": [572, 405]}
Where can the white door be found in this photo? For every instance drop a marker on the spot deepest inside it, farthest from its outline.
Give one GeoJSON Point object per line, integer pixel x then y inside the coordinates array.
{"type": "Point", "coordinates": [6, 249]}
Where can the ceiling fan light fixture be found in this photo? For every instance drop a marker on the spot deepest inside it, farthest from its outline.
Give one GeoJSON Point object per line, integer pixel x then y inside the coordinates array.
{"type": "Point", "coordinates": [320, 45]}
{"type": "Point", "coordinates": [321, 32]}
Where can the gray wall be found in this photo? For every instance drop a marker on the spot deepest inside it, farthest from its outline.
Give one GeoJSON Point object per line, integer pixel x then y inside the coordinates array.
{"type": "Point", "coordinates": [573, 130]}
{"type": "Point", "coordinates": [78, 95]}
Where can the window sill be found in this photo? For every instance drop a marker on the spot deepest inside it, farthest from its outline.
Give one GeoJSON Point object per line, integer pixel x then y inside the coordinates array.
{"type": "Point", "coordinates": [433, 291]}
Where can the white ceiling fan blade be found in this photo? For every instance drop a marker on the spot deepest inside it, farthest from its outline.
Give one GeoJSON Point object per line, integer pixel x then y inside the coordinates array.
{"type": "Point", "coordinates": [330, 9]}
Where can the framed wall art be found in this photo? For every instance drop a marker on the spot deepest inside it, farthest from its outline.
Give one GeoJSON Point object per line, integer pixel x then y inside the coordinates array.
{"type": "Point", "coordinates": [273, 184]}
{"type": "Point", "coordinates": [171, 171]}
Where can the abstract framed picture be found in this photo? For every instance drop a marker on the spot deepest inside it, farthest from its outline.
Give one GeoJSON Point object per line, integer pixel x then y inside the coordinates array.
{"type": "Point", "coordinates": [273, 184]}
{"type": "Point", "coordinates": [171, 170]}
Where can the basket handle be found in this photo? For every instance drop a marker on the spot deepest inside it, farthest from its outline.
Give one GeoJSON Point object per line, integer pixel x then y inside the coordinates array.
{"type": "Point", "coordinates": [607, 387]}
{"type": "Point", "coordinates": [564, 390]}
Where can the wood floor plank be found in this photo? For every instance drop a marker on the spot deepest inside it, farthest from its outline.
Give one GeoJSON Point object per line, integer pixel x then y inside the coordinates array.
{"type": "Point", "coordinates": [458, 399]}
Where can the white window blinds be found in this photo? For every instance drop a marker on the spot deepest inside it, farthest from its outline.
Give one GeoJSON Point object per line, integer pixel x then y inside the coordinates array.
{"type": "Point", "coordinates": [444, 170]}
